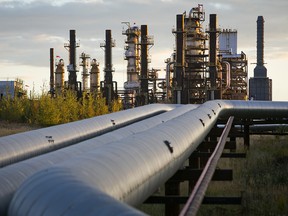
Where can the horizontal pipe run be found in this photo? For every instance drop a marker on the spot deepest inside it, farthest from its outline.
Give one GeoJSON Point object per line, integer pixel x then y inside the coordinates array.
{"type": "Point", "coordinates": [131, 169]}
{"type": "Point", "coordinates": [17, 147]}
{"type": "Point", "coordinates": [11, 177]}
{"type": "Point", "coordinates": [198, 193]}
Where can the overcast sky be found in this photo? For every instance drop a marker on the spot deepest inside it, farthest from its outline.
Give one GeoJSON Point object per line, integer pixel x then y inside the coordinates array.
{"type": "Point", "coordinates": [29, 28]}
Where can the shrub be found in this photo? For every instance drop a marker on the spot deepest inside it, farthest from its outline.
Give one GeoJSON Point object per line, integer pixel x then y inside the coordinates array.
{"type": "Point", "coordinates": [45, 110]}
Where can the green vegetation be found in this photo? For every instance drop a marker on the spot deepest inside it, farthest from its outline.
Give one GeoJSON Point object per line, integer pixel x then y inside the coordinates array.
{"type": "Point", "coordinates": [261, 179]}
{"type": "Point", "coordinates": [46, 111]}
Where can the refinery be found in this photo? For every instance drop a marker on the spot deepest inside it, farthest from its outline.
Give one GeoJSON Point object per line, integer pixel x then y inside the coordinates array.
{"type": "Point", "coordinates": [204, 65]}
{"type": "Point", "coordinates": [175, 126]}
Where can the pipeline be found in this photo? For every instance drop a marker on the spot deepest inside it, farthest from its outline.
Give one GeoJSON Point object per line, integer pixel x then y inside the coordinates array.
{"type": "Point", "coordinates": [15, 148]}
{"type": "Point", "coordinates": [131, 169]}
{"type": "Point", "coordinates": [195, 200]}
{"type": "Point", "coordinates": [11, 177]}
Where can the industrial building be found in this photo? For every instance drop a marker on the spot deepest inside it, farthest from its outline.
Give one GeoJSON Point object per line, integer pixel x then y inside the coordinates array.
{"type": "Point", "coordinates": [260, 86]}
{"type": "Point", "coordinates": [12, 89]}
{"type": "Point", "coordinates": [205, 65]}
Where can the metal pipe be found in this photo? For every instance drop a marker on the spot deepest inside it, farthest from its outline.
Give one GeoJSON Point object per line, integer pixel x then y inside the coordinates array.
{"type": "Point", "coordinates": [228, 74]}
{"type": "Point", "coordinates": [195, 199]}
{"type": "Point", "coordinates": [144, 64]}
{"type": "Point", "coordinates": [168, 86]}
{"type": "Point", "coordinates": [52, 70]}
{"type": "Point", "coordinates": [11, 177]}
{"type": "Point", "coordinates": [72, 78]}
{"type": "Point", "coordinates": [108, 83]}
{"type": "Point", "coordinates": [131, 169]}
{"type": "Point", "coordinates": [180, 59]}
{"type": "Point", "coordinates": [29, 144]}
{"type": "Point", "coordinates": [213, 50]}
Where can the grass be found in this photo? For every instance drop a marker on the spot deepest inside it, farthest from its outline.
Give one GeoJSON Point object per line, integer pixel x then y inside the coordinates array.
{"type": "Point", "coordinates": [261, 179]}
{"type": "Point", "coordinates": [43, 110]}
{"type": "Point", "coordinates": [8, 128]}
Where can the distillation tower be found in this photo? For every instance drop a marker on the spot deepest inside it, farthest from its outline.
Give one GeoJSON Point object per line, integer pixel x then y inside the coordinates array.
{"type": "Point", "coordinates": [132, 55]}
{"type": "Point", "coordinates": [94, 77]}
{"type": "Point", "coordinates": [85, 63]}
{"type": "Point", "coordinates": [199, 75]}
{"type": "Point", "coordinates": [190, 75]}
{"type": "Point", "coordinates": [59, 77]}
{"type": "Point", "coordinates": [139, 78]}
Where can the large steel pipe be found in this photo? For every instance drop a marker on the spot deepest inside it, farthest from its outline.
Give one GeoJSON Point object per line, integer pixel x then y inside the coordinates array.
{"type": "Point", "coordinates": [25, 145]}
{"type": "Point", "coordinates": [12, 176]}
{"type": "Point", "coordinates": [131, 169]}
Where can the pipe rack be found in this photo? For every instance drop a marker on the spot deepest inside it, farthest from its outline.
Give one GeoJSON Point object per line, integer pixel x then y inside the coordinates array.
{"type": "Point", "coordinates": [131, 169]}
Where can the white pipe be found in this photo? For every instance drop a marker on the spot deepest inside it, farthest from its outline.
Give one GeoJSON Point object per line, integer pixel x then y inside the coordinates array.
{"type": "Point", "coordinates": [228, 74]}
{"type": "Point", "coordinates": [25, 145]}
{"type": "Point", "coordinates": [131, 169]}
{"type": "Point", "coordinates": [11, 177]}
{"type": "Point", "coordinates": [168, 87]}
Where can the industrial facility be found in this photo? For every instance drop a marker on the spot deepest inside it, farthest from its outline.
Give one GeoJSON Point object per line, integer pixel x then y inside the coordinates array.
{"type": "Point", "coordinates": [12, 88]}
{"type": "Point", "coordinates": [205, 65]}
{"type": "Point", "coordinates": [179, 128]}
{"type": "Point", "coordinates": [260, 85]}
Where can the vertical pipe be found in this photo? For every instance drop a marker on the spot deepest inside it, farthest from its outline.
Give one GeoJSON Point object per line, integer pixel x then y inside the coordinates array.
{"type": "Point", "coordinates": [72, 79]}
{"type": "Point", "coordinates": [144, 65]}
{"type": "Point", "coordinates": [51, 70]}
{"type": "Point", "coordinates": [108, 83]}
{"type": "Point", "coordinates": [213, 50]}
{"type": "Point", "coordinates": [179, 67]}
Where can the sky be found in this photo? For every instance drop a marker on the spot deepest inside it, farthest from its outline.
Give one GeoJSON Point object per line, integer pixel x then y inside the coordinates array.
{"type": "Point", "coordinates": [29, 28]}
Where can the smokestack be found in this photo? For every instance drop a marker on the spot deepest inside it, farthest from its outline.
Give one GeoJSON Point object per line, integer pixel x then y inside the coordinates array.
{"type": "Point", "coordinates": [260, 70]}
{"type": "Point", "coordinates": [213, 49]}
{"type": "Point", "coordinates": [72, 79]}
{"type": "Point", "coordinates": [108, 58]}
{"type": "Point", "coordinates": [108, 79]}
{"type": "Point", "coordinates": [179, 67]}
{"type": "Point", "coordinates": [51, 70]}
{"type": "Point", "coordinates": [144, 61]}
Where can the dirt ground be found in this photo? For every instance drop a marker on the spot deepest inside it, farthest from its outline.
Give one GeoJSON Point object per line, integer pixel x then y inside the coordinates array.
{"type": "Point", "coordinates": [7, 128]}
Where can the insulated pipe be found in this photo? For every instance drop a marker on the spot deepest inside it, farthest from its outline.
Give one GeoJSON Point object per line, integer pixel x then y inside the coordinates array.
{"type": "Point", "coordinates": [228, 74]}
{"type": "Point", "coordinates": [25, 145]}
{"type": "Point", "coordinates": [195, 199]}
{"type": "Point", "coordinates": [11, 177]}
{"type": "Point", "coordinates": [168, 86]}
{"type": "Point", "coordinates": [131, 169]}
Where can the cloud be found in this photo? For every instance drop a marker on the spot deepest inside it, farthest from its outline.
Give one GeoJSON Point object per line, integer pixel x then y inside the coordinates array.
{"type": "Point", "coordinates": [32, 3]}
{"type": "Point", "coordinates": [29, 28]}
{"type": "Point", "coordinates": [220, 6]}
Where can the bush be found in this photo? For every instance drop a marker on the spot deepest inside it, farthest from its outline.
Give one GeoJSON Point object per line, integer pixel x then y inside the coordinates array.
{"type": "Point", "coordinates": [45, 110]}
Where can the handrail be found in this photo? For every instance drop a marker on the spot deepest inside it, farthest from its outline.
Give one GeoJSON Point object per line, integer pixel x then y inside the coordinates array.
{"type": "Point", "coordinates": [193, 204]}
